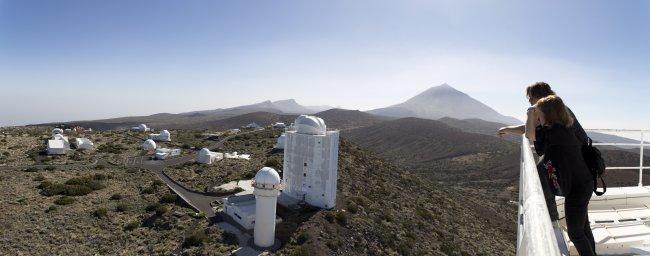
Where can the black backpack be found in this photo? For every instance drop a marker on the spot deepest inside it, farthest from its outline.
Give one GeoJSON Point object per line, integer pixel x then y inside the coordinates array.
{"type": "Point", "coordinates": [595, 163]}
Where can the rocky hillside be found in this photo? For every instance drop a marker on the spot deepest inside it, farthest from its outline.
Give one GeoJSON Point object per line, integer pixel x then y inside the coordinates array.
{"type": "Point", "coordinates": [383, 209]}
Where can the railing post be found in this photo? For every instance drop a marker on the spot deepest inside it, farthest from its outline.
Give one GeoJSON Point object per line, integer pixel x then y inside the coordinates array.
{"type": "Point", "coordinates": [641, 161]}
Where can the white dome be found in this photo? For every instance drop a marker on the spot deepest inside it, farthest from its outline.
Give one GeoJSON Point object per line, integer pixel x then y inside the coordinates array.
{"type": "Point", "coordinates": [204, 152]}
{"type": "Point", "coordinates": [164, 133]}
{"type": "Point", "coordinates": [310, 125]}
{"type": "Point", "coordinates": [57, 131]}
{"type": "Point", "coordinates": [142, 127]}
{"type": "Point", "coordinates": [149, 145]}
{"type": "Point", "coordinates": [267, 177]}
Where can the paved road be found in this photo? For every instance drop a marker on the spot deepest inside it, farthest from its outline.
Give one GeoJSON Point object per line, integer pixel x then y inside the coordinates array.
{"type": "Point", "coordinates": [198, 200]}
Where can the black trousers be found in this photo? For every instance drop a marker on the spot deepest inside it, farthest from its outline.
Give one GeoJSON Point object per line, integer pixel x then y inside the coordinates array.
{"type": "Point", "coordinates": [577, 218]}
{"type": "Point", "coordinates": [577, 222]}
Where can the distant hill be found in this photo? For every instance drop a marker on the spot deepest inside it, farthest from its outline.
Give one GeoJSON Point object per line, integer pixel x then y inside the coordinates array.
{"type": "Point", "coordinates": [447, 153]}
{"type": "Point", "coordinates": [344, 119]}
{"type": "Point", "coordinates": [473, 125]}
{"type": "Point", "coordinates": [196, 119]}
{"type": "Point", "coordinates": [444, 101]}
{"type": "Point", "coordinates": [334, 118]}
{"type": "Point", "coordinates": [289, 106]}
{"type": "Point", "coordinates": [260, 118]}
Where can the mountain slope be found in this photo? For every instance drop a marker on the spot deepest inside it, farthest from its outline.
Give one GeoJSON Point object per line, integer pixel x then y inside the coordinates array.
{"type": "Point", "coordinates": [383, 209]}
{"type": "Point", "coordinates": [444, 101]}
{"type": "Point", "coordinates": [344, 119]}
{"type": "Point", "coordinates": [485, 166]}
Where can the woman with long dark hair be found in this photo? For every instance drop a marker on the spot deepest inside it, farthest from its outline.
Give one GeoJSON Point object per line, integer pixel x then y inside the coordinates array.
{"type": "Point", "coordinates": [567, 172]}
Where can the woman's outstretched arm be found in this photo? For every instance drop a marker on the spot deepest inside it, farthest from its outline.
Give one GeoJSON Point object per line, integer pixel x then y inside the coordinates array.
{"type": "Point", "coordinates": [514, 129]}
{"type": "Point", "coordinates": [532, 121]}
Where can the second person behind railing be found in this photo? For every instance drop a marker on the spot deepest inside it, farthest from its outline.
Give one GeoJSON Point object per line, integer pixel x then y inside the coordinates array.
{"type": "Point", "coordinates": [534, 93]}
{"type": "Point", "coordinates": [558, 137]}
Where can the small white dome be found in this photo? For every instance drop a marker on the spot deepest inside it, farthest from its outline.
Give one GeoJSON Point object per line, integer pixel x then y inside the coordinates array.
{"type": "Point", "coordinates": [204, 151]}
{"type": "Point", "coordinates": [57, 131]}
{"type": "Point", "coordinates": [149, 144]}
{"type": "Point", "coordinates": [164, 133]}
{"type": "Point", "coordinates": [310, 125]}
{"type": "Point", "coordinates": [267, 177]}
{"type": "Point", "coordinates": [142, 127]}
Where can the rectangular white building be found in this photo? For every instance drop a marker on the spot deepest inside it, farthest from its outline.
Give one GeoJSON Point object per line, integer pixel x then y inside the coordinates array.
{"type": "Point", "coordinates": [311, 163]}
{"type": "Point", "coordinates": [241, 209]}
{"type": "Point", "coordinates": [56, 147]}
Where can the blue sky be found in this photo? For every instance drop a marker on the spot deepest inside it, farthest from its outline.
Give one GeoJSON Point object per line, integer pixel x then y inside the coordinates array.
{"type": "Point", "coordinates": [71, 60]}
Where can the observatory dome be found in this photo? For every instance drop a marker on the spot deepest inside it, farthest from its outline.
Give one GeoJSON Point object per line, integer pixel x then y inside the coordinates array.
{"type": "Point", "coordinates": [57, 131]}
{"type": "Point", "coordinates": [149, 145]}
{"type": "Point", "coordinates": [204, 152]}
{"type": "Point", "coordinates": [164, 133]}
{"type": "Point", "coordinates": [142, 127]}
{"type": "Point", "coordinates": [267, 177]}
{"type": "Point", "coordinates": [310, 125]}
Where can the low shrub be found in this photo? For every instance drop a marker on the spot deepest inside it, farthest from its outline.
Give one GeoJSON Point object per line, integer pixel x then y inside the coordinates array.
{"type": "Point", "coordinates": [352, 207]}
{"type": "Point", "coordinates": [116, 197]}
{"type": "Point", "coordinates": [148, 190]}
{"type": "Point", "coordinates": [122, 207]}
{"type": "Point", "coordinates": [39, 177]}
{"type": "Point", "coordinates": [342, 218]}
{"type": "Point", "coordinates": [168, 198]}
{"type": "Point", "coordinates": [64, 200]}
{"type": "Point", "coordinates": [197, 215]}
{"type": "Point", "coordinates": [195, 239]}
{"type": "Point", "coordinates": [100, 213]}
{"type": "Point", "coordinates": [302, 238]}
{"type": "Point", "coordinates": [157, 183]}
{"type": "Point", "coordinates": [329, 216]}
{"type": "Point", "coordinates": [157, 207]}
{"type": "Point", "coordinates": [51, 208]}
{"type": "Point", "coordinates": [132, 225]}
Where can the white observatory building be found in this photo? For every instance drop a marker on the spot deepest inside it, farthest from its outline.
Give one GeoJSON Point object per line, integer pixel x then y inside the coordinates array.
{"type": "Point", "coordinates": [149, 145]}
{"type": "Point", "coordinates": [281, 141]}
{"type": "Point", "coordinates": [311, 162]}
{"type": "Point", "coordinates": [57, 131]}
{"type": "Point", "coordinates": [206, 156]}
{"type": "Point", "coordinates": [59, 144]}
{"type": "Point", "coordinates": [84, 143]}
{"type": "Point", "coordinates": [140, 128]}
{"type": "Point", "coordinates": [162, 136]}
{"type": "Point", "coordinates": [266, 188]}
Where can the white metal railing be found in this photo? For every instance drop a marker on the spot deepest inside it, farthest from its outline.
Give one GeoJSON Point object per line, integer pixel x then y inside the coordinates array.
{"type": "Point", "coordinates": [535, 235]}
{"type": "Point", "coordinates": [535, 231]}
{"type": "Point", "coordinates": [641, 146]}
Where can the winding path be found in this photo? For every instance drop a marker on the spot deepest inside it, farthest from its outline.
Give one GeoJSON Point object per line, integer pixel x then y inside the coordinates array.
{"type": "Point", "coordinates": [198, 200]}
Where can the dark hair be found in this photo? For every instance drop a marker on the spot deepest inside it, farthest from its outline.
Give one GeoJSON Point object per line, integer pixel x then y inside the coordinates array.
{"type": "Point", "coordinates": [539, 90]}
{"type": "Point", "coordinates": [555, 112]}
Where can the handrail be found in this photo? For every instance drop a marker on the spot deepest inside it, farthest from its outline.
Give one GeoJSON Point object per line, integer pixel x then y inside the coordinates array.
{"type": "Point", "coordinates": [535, 235]}
{"type": "Point", "coordinates": [642, 144]}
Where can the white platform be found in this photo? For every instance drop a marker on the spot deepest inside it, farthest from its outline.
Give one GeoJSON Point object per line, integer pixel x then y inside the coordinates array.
{"type": "Point", "coordinates": [620, 221]}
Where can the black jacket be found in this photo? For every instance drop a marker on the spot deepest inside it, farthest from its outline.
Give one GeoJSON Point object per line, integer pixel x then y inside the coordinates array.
{"type": "Point", "coordinates": [562, 146]}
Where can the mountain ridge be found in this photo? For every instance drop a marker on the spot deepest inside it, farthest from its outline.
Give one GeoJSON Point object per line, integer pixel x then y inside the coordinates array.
{"type": "Point", "coordinates": [444, 101]}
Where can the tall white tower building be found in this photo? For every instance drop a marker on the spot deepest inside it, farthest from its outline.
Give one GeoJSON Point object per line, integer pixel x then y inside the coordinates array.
{"type": "Point", "coordinates": [311, 162]}
{"type": "Point", "coordinates": [266, 188]}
